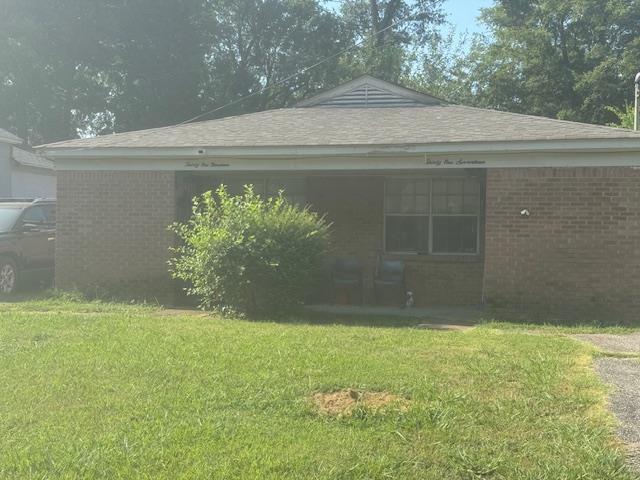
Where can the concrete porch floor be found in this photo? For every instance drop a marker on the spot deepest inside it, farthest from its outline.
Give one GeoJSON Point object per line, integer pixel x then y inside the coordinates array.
{"type": "Point", "coordinates": [453, 315]}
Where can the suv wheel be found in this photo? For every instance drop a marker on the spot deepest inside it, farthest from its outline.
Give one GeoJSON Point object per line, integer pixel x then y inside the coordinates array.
{"type": "Point", "coordinates": [8, 276]}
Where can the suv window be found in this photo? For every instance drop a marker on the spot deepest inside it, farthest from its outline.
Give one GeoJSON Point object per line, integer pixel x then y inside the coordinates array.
{"type": "Point", "coordinates": [8, 217]}
{"type": "Point", "coordinates": [50, 214]}
{"type": "Point", "coordinates": [40, 215]}
{"type": "Point", "coordinates": [34, 215]}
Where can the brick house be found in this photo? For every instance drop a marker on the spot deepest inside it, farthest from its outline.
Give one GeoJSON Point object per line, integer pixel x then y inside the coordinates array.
{"type": "Point", "coordinates": [484, 206]}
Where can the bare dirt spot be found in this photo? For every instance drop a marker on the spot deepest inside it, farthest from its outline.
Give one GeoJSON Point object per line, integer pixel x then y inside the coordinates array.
{"type": "Point", "coordinates": [342, 403]}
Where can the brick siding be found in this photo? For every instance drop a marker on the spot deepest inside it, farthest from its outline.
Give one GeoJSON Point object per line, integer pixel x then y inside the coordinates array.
{"type": "Point", "coordinates": [112, 233]}
{"type": "Point", "coordinates": [579, 251]}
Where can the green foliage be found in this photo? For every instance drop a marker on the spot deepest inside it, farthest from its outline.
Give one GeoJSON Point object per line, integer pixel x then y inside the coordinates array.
{"type": "Point", "coordinates": [393, 30]}
{"type": "Point", "coordinates": [250, 255]}
{"type": "Point", "coordinates": [441, 69]}
{"type": "Point", "coordinates": [566, 59]}
{"type": "Point", "coordinates": [73, 67]}
{"type": "Point", "coordinates": [625, 117]}
{"type": "Point", "coordinates": [255, 44]}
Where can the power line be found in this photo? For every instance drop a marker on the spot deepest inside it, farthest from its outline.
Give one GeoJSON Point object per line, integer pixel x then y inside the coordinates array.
{"type": "Point", "coordinates": [298, 73]}
{"type": "Point", "coordinates": [279, 82]}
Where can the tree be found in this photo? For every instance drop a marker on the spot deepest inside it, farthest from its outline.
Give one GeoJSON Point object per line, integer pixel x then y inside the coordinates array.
{"type": "Point", "coordinates": [45, 66]}
{"type": "Point", "coordinates": [72, 67]}
{"type": "Point", "coordinates": [625, 117]}
{"type": "Point", "coordinates": [557, 58]}
{"type": "Point", "coordinates": [441, 69]}
{"type": "Point", "coordinates": [107, 66]}
{"type": "Point", "coordinates": [257, 44]}
{"type": "Point", "coordinates": [390, 31]}
{"type": "Point", "coordinates": [155, 71]}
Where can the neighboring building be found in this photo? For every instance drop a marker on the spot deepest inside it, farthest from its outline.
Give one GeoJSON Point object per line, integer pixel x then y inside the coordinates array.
{"type": "Point", "coordinates": [484, 206]}
{"type": "Point", "coordinates": [24, 174]}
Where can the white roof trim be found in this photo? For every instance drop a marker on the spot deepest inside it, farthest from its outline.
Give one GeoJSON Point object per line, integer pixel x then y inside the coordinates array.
{"type": "Point", "coordinates": [364, 80]}
{"type": "Point", "coordinates": [361, 164]}
{"type": "Point", "coordinates": [590, 145]}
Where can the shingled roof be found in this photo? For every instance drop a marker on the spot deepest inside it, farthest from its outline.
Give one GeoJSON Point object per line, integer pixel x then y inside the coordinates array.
{"type": "Point", "coordinates": [349, 117]}
{"type": "Point", "coordinates": [8, 137]}
{"type": "Point", "coordinates": [29, 159]}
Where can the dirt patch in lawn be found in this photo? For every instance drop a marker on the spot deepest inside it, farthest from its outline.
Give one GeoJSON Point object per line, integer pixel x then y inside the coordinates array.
{"type": "Point", "coordinates": [343, 403]}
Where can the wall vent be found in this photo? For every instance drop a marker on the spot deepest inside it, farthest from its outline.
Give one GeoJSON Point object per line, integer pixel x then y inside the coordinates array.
{"type": "Point", "coordinates": [368, 96]}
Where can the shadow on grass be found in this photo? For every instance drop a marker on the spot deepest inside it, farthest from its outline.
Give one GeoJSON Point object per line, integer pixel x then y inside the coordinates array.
{"type": "Point", "coordinates": [29, 293]}
{"type": "Point", "coordinates": [349, 320]}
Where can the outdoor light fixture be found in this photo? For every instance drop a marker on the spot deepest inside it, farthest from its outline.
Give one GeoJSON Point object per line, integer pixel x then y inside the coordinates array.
{"type": "Point", "coordinates": [525, 213]}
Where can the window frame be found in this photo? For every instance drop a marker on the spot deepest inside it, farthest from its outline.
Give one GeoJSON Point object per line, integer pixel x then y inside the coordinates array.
{"type": "Point", "coordinates": [431, 215]}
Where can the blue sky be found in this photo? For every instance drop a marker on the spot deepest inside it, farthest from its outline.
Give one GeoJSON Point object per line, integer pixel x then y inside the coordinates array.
{"type": "Point", "coordinates": [463, 14]}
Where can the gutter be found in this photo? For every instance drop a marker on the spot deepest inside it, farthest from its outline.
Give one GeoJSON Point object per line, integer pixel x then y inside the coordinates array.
{"type": "Point", "coordinates": [539, 146]}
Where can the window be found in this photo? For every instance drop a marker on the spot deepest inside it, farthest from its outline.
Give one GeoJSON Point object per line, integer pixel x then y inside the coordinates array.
{"type": "Point", "coordinates": [50, 214]}
{"type": "Point", "coordinates": [456, 209]}
{"type": "Point", "coordinates": [407, 220]}
{"type": "Point", "coordinates": [294, 188]}
{"type": "Point", "coordinates": [439, 215]}
{"type": "Point", "coordinates": [34, 215]}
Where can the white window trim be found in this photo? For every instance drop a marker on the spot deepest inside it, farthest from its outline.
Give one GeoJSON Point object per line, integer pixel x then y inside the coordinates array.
{"type": "Point", "coordinates": [430, 215]}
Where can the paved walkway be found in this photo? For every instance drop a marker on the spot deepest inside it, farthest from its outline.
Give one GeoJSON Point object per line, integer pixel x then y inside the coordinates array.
{"type": "Point", "coordinates": [613, 343]}
{"type": "Point", "coordinates": [429, 315]}
{"type": "Point", "coordinates": [624, 375]}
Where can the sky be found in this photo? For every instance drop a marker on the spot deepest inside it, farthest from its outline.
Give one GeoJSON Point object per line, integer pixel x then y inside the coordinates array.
{"type": "Point", "coordinates": [463, 14]}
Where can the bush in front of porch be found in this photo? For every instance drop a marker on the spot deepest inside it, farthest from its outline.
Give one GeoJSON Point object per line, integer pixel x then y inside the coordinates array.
{"type": "Point", "coordinates": [246, 254]}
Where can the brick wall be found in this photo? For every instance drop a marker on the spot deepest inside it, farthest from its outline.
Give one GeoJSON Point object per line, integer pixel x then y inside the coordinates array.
{"type": "Point", "coordinates": [112, 232]}
{"type": "Point", "coordinates": [112, 235]}
{"type": "Point", "coordinates": [355, 206]}
{"type": "Point", "coordinates": [578, 252]}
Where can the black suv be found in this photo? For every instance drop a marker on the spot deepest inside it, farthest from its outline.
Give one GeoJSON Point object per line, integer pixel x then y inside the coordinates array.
{"type": "Point", "coordinates": [27, 236]}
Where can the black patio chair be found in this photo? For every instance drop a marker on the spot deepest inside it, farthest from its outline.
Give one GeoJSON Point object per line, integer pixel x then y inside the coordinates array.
{"type": "Point", "coordinates": [390, 277]}
{"type": "Point", "coordinates": [346, 277]}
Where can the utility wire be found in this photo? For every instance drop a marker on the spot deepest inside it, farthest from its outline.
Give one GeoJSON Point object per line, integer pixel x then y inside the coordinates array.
{"type": "Point", "coordinates": [279, 82]}
{"type": "Point", "coordinates": [298, 73]}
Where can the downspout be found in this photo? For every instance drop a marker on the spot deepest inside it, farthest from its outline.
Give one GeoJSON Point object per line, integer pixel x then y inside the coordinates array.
{"type": "Point", "coordinates": [636, 113]}
{"type": "Point", "coordinates": [6, 150]}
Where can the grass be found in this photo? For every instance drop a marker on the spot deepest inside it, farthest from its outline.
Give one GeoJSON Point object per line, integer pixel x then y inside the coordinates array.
{"type": "Point", "coordinates": [558, 329]}
{"type": "Point", "coordinates": [94, 390]}
{"type": "Point", "coordinates": [506, 319]}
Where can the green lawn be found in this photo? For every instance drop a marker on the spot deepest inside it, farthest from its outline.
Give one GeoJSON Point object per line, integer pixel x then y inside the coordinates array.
{"type": "Point", "coordinates": [114, 391]}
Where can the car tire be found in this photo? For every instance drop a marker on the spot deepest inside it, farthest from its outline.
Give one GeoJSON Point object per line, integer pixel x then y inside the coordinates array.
{"type": "Point", "coordinates": [8, 276]}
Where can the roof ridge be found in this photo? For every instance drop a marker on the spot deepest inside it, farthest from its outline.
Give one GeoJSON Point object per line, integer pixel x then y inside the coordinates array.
{"type": "Point", "coordinates": [345, 88]}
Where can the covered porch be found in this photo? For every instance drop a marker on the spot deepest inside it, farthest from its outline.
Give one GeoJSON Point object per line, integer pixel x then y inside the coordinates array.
{"type": "Point", "coordinates": [432, 220]}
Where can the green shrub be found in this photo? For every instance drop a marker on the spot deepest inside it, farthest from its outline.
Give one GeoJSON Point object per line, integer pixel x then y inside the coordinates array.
{"type": "Point", "coordinates": [249, 255]}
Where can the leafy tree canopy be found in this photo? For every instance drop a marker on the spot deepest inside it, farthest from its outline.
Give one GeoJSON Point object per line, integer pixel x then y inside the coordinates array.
{"type": "Point", "coordinates": [72, 67]}
{"type": "Point", "coordinates": [568, 59]}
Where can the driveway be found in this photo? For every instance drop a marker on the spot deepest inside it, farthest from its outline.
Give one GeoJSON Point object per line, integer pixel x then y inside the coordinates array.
{"type": "Point", "coordinates": [623, 374]}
